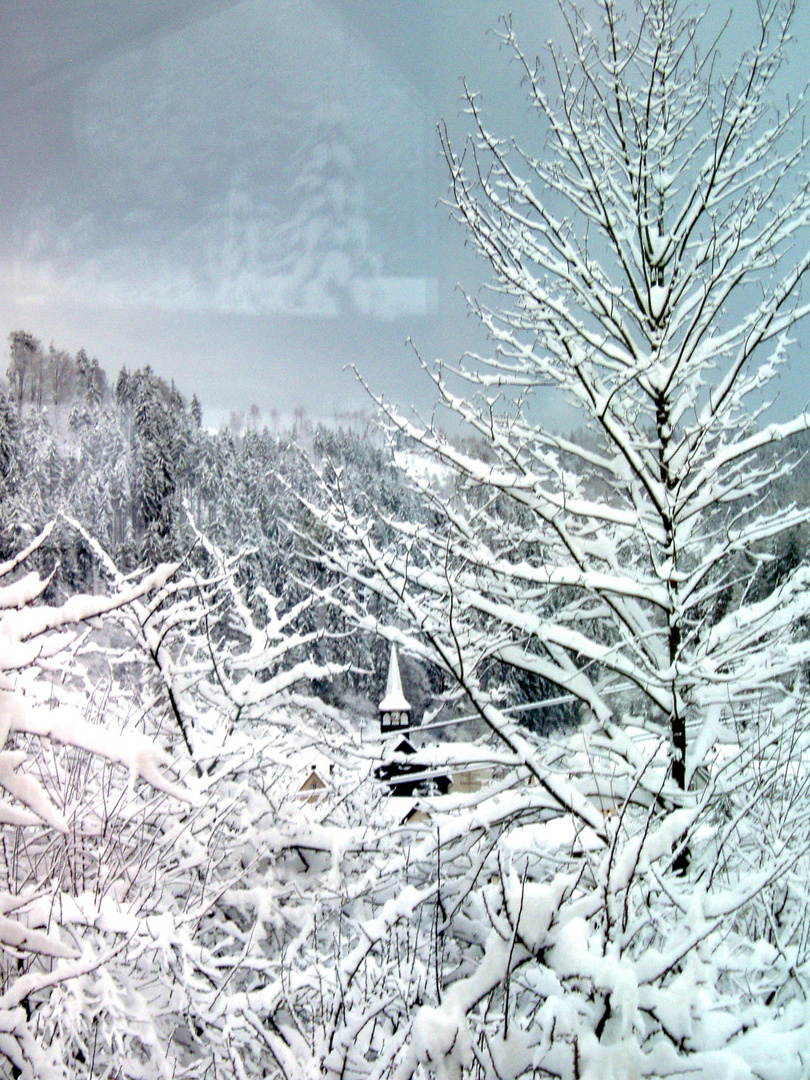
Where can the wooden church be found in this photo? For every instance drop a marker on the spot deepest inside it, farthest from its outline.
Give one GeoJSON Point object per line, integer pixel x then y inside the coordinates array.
{"type": "Point", "coordinates": [403, 777]}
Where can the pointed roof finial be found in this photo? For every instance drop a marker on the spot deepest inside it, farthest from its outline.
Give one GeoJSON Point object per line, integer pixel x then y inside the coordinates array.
{"type": "Point", "coordinates": [394, 700]}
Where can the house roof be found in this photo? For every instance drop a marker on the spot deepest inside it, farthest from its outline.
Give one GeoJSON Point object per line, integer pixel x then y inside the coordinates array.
{"type": "Point", "coordinates": [313, 782]}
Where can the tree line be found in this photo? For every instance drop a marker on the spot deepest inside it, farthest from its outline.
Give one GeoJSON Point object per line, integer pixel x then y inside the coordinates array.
{"type": "Point", "coordinates": [130, 459]}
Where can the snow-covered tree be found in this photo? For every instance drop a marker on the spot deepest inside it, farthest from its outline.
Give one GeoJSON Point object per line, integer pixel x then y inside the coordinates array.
{"type": "Point", "coordinates": [161, 432]}
{"type": "Point", "coordinates": [61, 375]}
{"type": "Point", "coordinates": [24, 371]}
{"type": "Point", "coordinates": [648, 266]}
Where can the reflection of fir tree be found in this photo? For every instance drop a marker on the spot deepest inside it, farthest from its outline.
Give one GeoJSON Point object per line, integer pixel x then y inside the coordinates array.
{"type": "Point", "coordinates": [328, 236]}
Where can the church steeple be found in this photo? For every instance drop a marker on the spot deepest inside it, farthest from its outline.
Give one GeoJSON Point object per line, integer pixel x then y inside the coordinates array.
{"type": "Point", "coordinates": [395, 711]}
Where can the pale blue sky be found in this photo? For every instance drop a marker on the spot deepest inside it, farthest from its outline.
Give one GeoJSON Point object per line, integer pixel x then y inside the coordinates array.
{"type": "Point", "coordinates": [243, 193]}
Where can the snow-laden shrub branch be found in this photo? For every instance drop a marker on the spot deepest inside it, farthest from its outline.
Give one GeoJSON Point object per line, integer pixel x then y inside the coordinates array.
{"type": "Point", "coordinates": [39, 949]}
{"type": "Point", "coordinates": [141, 924]}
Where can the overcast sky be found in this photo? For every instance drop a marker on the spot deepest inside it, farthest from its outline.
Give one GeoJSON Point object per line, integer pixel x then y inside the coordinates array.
{"type": "Point", "coordinates": [243, 193]}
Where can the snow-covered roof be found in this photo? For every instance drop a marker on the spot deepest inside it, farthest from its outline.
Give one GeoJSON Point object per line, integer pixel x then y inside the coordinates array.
{"type": "Point", "coordinates": [405, 810]}
{"type": "Point", "coordinates": [394, 700]}
{"type": "Point", "coordinates": [404, 746]}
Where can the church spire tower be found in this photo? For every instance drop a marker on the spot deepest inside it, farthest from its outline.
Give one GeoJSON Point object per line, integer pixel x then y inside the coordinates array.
{"type": "Point", "coordinates": [394, 709]}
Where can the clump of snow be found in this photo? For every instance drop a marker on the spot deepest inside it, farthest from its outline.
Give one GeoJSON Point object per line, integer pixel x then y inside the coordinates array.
{"type": "Point", "coordinates": [440, 1039]}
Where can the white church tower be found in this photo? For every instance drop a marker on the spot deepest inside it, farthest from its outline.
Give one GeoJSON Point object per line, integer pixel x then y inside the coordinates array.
{"type": "Point", "coordinates": [395, 711]}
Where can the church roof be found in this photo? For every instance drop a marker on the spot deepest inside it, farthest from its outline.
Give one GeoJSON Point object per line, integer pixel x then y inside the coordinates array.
{"type": "Point", "coordinates": [394, 700]}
